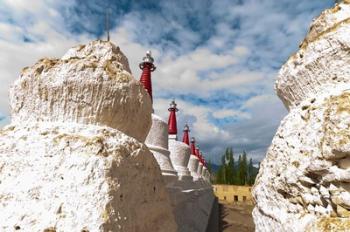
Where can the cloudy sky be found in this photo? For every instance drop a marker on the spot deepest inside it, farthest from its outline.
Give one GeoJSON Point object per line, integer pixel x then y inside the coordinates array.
{"type": "Point", "coordinates": [217, 58]}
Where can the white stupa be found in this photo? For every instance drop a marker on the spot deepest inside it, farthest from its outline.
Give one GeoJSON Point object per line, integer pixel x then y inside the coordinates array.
{"type": "Point", "coordinates": [157, 138]}
{"type": "Point", "coordinates": [157, 142]}
{"type": "Point", "coordinates": [179, 151]}
{"type": "Point", "coordinates": [200, 164]}
{"type": "Point", "coordinates": [191, 201]}
{"type": "Point", "coordinates": [194, 160]}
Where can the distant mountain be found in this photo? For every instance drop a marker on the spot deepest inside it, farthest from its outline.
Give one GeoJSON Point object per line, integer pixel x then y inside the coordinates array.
{"type": "Point", "coordinates": [215, 167]}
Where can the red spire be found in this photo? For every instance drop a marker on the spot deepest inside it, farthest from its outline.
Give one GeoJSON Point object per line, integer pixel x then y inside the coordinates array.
{"type": "Point", "coordinates": [198, 154]}
{"type": "Point", "coordinates": [172, 124]}
{"type": "Point", "coordinates": [193, 146]}
{"type": "Point", "coordinates": [185, 138]}
{"type": "Point", "coordinates": [203, 161]}
{"type": "Point", "coordinates": [147, 67]}
{"type": "Point", "coordinates": [201, 158]}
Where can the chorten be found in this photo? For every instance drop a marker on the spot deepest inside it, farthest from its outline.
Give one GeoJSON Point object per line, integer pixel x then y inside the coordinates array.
{"type": "Point", "coordinates": [200, 164]}
{"type": "Point", "coordinates": [194, 160]}
{"type": "Point", "coordinates": [191, 202]}
{"type": "Point", "coordinates": [205, 169]}
{"type": "Point", "coordinates": [73, 157]}
{"type": "Point", "coordinates": [179, 152]}
{"type": "Point", "coordinates": [207, 173]}
{"type": "Point", "coordinates": [157, 138]}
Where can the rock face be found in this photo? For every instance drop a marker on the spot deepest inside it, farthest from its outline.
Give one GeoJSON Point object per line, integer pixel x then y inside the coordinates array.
{"type": "Point", "coordinates": [72, 160]}
{"type": "Point", "coordinates": [303, 183]}
{"type": "Point", "coordinates": [91, 84]}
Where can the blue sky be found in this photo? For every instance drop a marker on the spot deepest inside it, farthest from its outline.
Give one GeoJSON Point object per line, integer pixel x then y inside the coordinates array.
{"type": "Point", "coordinates": [217, 58]}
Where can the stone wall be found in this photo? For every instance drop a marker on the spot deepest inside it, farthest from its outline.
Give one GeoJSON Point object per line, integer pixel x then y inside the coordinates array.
{"type": "Point", "coordinates": [233, 193]}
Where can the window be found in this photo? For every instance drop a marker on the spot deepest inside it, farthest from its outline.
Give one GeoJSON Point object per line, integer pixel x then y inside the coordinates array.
{"type": "Point", "coordinates": [235, 198]}
{"type": "Point", "coordinates": [244, 198]}
{"type": "Point", "coordinates": [225, 198]}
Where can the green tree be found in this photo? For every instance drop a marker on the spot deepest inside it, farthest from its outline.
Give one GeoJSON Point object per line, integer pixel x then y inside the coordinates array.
{"type": "Point", "coordinates": [251, 174]}
{"type": "Point", "coordinates": [241, 172]}
{"type": "Point", "coordinates": [209, 166]}
{"type": "Point", "coordinates": [230, 166]}
{"type": "Point", "coordinates": [242, 169]}
{"type": "Point", "coordinates": [220, 175]}
{"type": "Point", "coordinates": [239, 164]}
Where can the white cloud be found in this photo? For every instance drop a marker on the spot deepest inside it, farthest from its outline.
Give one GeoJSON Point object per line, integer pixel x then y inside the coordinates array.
{"type": "Point", "coordinates": [226, 113]}
{"type": "Point", "coordinates": [240, 46]}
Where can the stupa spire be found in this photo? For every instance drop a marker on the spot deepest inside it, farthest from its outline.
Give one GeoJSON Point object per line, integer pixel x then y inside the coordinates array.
{"type": "Point", "coordinates": [198, 154]}
{"type": "Point", "coordinates": [172, 124]}
{"type": "Point", "coordinates": [185, 138]}
{"type": "Point", "coordinates": [147, 67]}
{"type": "Point", "coordinates": [200, 157]}
{"type": "Point", "coordinates": [203, 160]}
{"type": "Point", "coordinates": [193, 146]}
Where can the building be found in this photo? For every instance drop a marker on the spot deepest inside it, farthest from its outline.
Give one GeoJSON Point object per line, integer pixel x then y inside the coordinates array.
{"type": "Point", "coordinates": [233, 193]}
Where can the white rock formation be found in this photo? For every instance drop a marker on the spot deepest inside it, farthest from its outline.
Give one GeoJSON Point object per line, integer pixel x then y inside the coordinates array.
{"type": "Point", "coordinates": [65, 163]}
{"type": "Point", "coordinates": [179, 156]}
{"type": "Point", "coordinates": [65, 90]}
{"type": "Point", "coordinates": [157, 142]}
{"type": "Point", "coordinates": [303, 183]}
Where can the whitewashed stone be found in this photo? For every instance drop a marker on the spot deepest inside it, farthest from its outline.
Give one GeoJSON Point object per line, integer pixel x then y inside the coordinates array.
{"type": "Point", "coordinates": [179, 156]}
{"type": "Point", "coordinates": [74, 177]}
{"type": "Point", "coordinates": [91, 84]}
{"type": "Point", "coordinates": [193, 166]}
{"type": "Point", "coordinates": [204, 173]}
{"type": "Point", "coordinates": [157, 142]}
{"type": "Point", "coordinates": [72, 160]}
{"type": "Point", "coordinates": [306, 167]}
{"type": "Point", "coordinates": [199, 170]}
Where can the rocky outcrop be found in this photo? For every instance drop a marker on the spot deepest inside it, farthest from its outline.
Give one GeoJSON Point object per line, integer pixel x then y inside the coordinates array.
{"type": "Point", "coordinates": [73, 159]}
{"type": "Point", "coordinates": [91, 84]}
{"type": "Point", "coordinates": [303, 183]}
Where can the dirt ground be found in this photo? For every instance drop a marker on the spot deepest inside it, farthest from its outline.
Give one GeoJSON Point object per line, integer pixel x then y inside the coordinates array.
{"type": "Point", "coordinates": [236, 217]}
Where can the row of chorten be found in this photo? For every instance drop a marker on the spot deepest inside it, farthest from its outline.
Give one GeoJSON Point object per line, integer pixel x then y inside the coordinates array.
{"type": "Point", "coordinates": [185, 166]}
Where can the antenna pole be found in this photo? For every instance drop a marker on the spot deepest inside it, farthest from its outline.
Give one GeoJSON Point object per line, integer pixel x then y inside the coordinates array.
{"type": "Point", "coordinates": [107, 24]}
